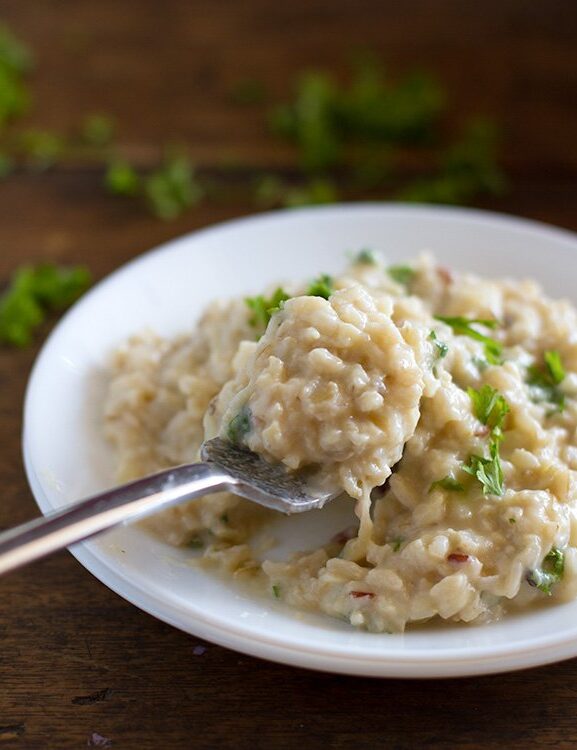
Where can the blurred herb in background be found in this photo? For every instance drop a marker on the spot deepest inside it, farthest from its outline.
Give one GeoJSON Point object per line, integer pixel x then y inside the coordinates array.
{"type": "Point", "coordinates": [348, 139]}
{"type": "Point", "coordinates": [357, 136]}
{"type": "Point", "coordinates": [33, 292]}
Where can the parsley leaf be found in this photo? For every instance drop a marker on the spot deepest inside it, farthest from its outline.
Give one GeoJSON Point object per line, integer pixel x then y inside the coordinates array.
{"type": "Point", "coordinates": [396, 543]}
{"type": "Point", "coordinates": [448, 483]}
{"type": "Point", "coordinates": [121, 178]}
{"type": "Point", "coordinates": [97, 129]}
{"type": "Point", "coordinates": [487, 470]}
{"type": "Point", "coordinates": [466, 168]}
{"type": "Point", "coordinates": [366, 257]}
{"type": "Point", "coordinates": [490, 408]}
{"type": "Point", "coordinates": [442, 348]}
{"type": "Point", "coordinates": [263, 308]}
{"type": "Point", "coordinates": [276, 591]}
{"type": "Point", "coordinates": [401, 274]}
{"type": "Point", "coordinates": [33, 291]}
{"type": "Point", "coordinates": [317, 191]}
{"type": "Point", "coordinates": [554, 366]}
{"type": "Point", "coordinates": [550, 573]}
{"type": "Point", "coordinates": [544, 381]}
{"type": "Point", "coordinates": [464, 327]}
{"type": "Point", "coordinates": [239, 426]}
{"type": "Point", "coordinates": [172, 187]}
{"type": "Point", "coordinates": [41, 148]}
{"type": "Point", "coordinates": [321, 287]}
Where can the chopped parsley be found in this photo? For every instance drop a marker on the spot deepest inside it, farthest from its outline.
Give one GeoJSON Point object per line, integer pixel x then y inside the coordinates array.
{"type": "Point", "coordinates": [121, 178]}
{"type": "Point", "coordinates": [488, 471]}
{"type": "Point", "coordinates": [544, 381]}
{"type": "Point", "coordinates": [41, 148]}
{"type": "Point", "coordinates": [551, 572]}
{"type": "Point", "coordinates": [440, 346]}
{"type": "Point", "coordinates": [97, 129]}
{"type": "Point", "coordinates": [172, 187]}
{"type": "Point", "coordinates": [33, 292]}
{"type": "Point", "coordinates": [490, 408]}
{"type": "Point", "coordinates": [448, 483]}
{"type": "Point", "coordinates": [466, 168]}
{"type": "Point", "coordinates": [321, 287]}
{"type": "Point", "coordinates": [276, 591]}
{"type": "Point", "coordinates": [366, 257]}
{"type": "Point", "coordinates": [168, 190]}
{"type": "Point", "coordinates": [315, 192]}
{"type": "Point", "coordinates": [239, 426]}
{"type": "Point", "coordinates": [396, 543]}
{"type": "Point", "coordinates": [464, 327]}
{"type": "Point", "coordinates": [401, 274]}
{"type": "Point", "coordinates": [263, 308]}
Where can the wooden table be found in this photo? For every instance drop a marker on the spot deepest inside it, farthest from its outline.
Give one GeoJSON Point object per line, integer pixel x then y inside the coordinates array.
{"type": "Point", "coordinates": [76, 659]}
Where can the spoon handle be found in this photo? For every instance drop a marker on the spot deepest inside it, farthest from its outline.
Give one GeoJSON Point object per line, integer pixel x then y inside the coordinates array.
{"type": "Point", "coordinates": [129, 502]}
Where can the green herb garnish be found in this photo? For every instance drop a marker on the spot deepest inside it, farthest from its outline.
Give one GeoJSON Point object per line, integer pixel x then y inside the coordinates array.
{"type": "Point", "coordinates": [321, 287]}
{"type": "Point", "coordinates": [464, 327]}
{"type": "Point", "coordinates": [467, 168]}
{"type": "Point", "coordinates": [97, 129]}
{"type": "Point", "coordinates": [441, 347]}
{"type": "Point", "coordinates": [33, 292]}
{"type": "Point", "coordinates": [544, 381]}
{"type": "Point", "coordinates": [315, 192]}
{"type": "Point", "coordinates": [487, 470]}
{"type": "Point", "coordinates": [550, 573]}
{"type": "Point", "coordinates": [173, 187]}
{"type": "Point", "coordinates": [239, 426]}
{"type": "Point", "coordinates": [396, 543]}
{"type": "Point", "coordinates": [15, 63]}
{"type": "Point", "coordinates": [195, 543]}
{"type": "Point", "coordinates": [490, 408]}
{"type": "Point", "coordinates": [263, 308]}
{"type": "Point", "coordinates": [121, 178]}
{"type": "Point", "coordinates": [276, 591]}
{"type": "Point", "coordinates": [401, 274]}
{"type": "Point", "coordinates": [448, 483]}
{"type": "Point", "coordinates": [41, 148]}
{"type": "Point", "coordinates": [366, 257]}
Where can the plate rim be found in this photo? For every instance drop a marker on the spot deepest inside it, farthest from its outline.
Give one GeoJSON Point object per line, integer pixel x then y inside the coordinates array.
{"type": "Point", "coordinates": [415, 665]}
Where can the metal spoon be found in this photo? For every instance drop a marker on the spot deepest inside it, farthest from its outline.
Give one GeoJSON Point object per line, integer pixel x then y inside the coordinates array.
{"type": "Point", "coordinates": [225, 467]}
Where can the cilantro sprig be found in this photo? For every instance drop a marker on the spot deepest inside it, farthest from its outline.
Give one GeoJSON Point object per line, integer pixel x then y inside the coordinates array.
{"type": "Point", "coordinates": [550, 573]}
{"type": "Point", "coordinates": [466, 327]}
{"type": "Point", "coordinates": [544, 381]}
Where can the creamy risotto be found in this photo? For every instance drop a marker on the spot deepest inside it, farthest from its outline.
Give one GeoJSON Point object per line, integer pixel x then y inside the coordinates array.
{"type": "Point", "coordinates": [443, 404]}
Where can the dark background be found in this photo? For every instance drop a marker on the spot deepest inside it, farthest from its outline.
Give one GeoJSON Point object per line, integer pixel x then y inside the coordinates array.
{"type": "Point", "coordinates": [75, 659]}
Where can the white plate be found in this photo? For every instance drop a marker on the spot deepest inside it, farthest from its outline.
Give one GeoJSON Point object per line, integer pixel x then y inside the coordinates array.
{"type": "Point", "coordinates": [166, 289]}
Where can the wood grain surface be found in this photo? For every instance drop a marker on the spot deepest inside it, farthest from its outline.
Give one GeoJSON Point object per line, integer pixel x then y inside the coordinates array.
{"type": "Point", "coordinates": [78, 663]}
